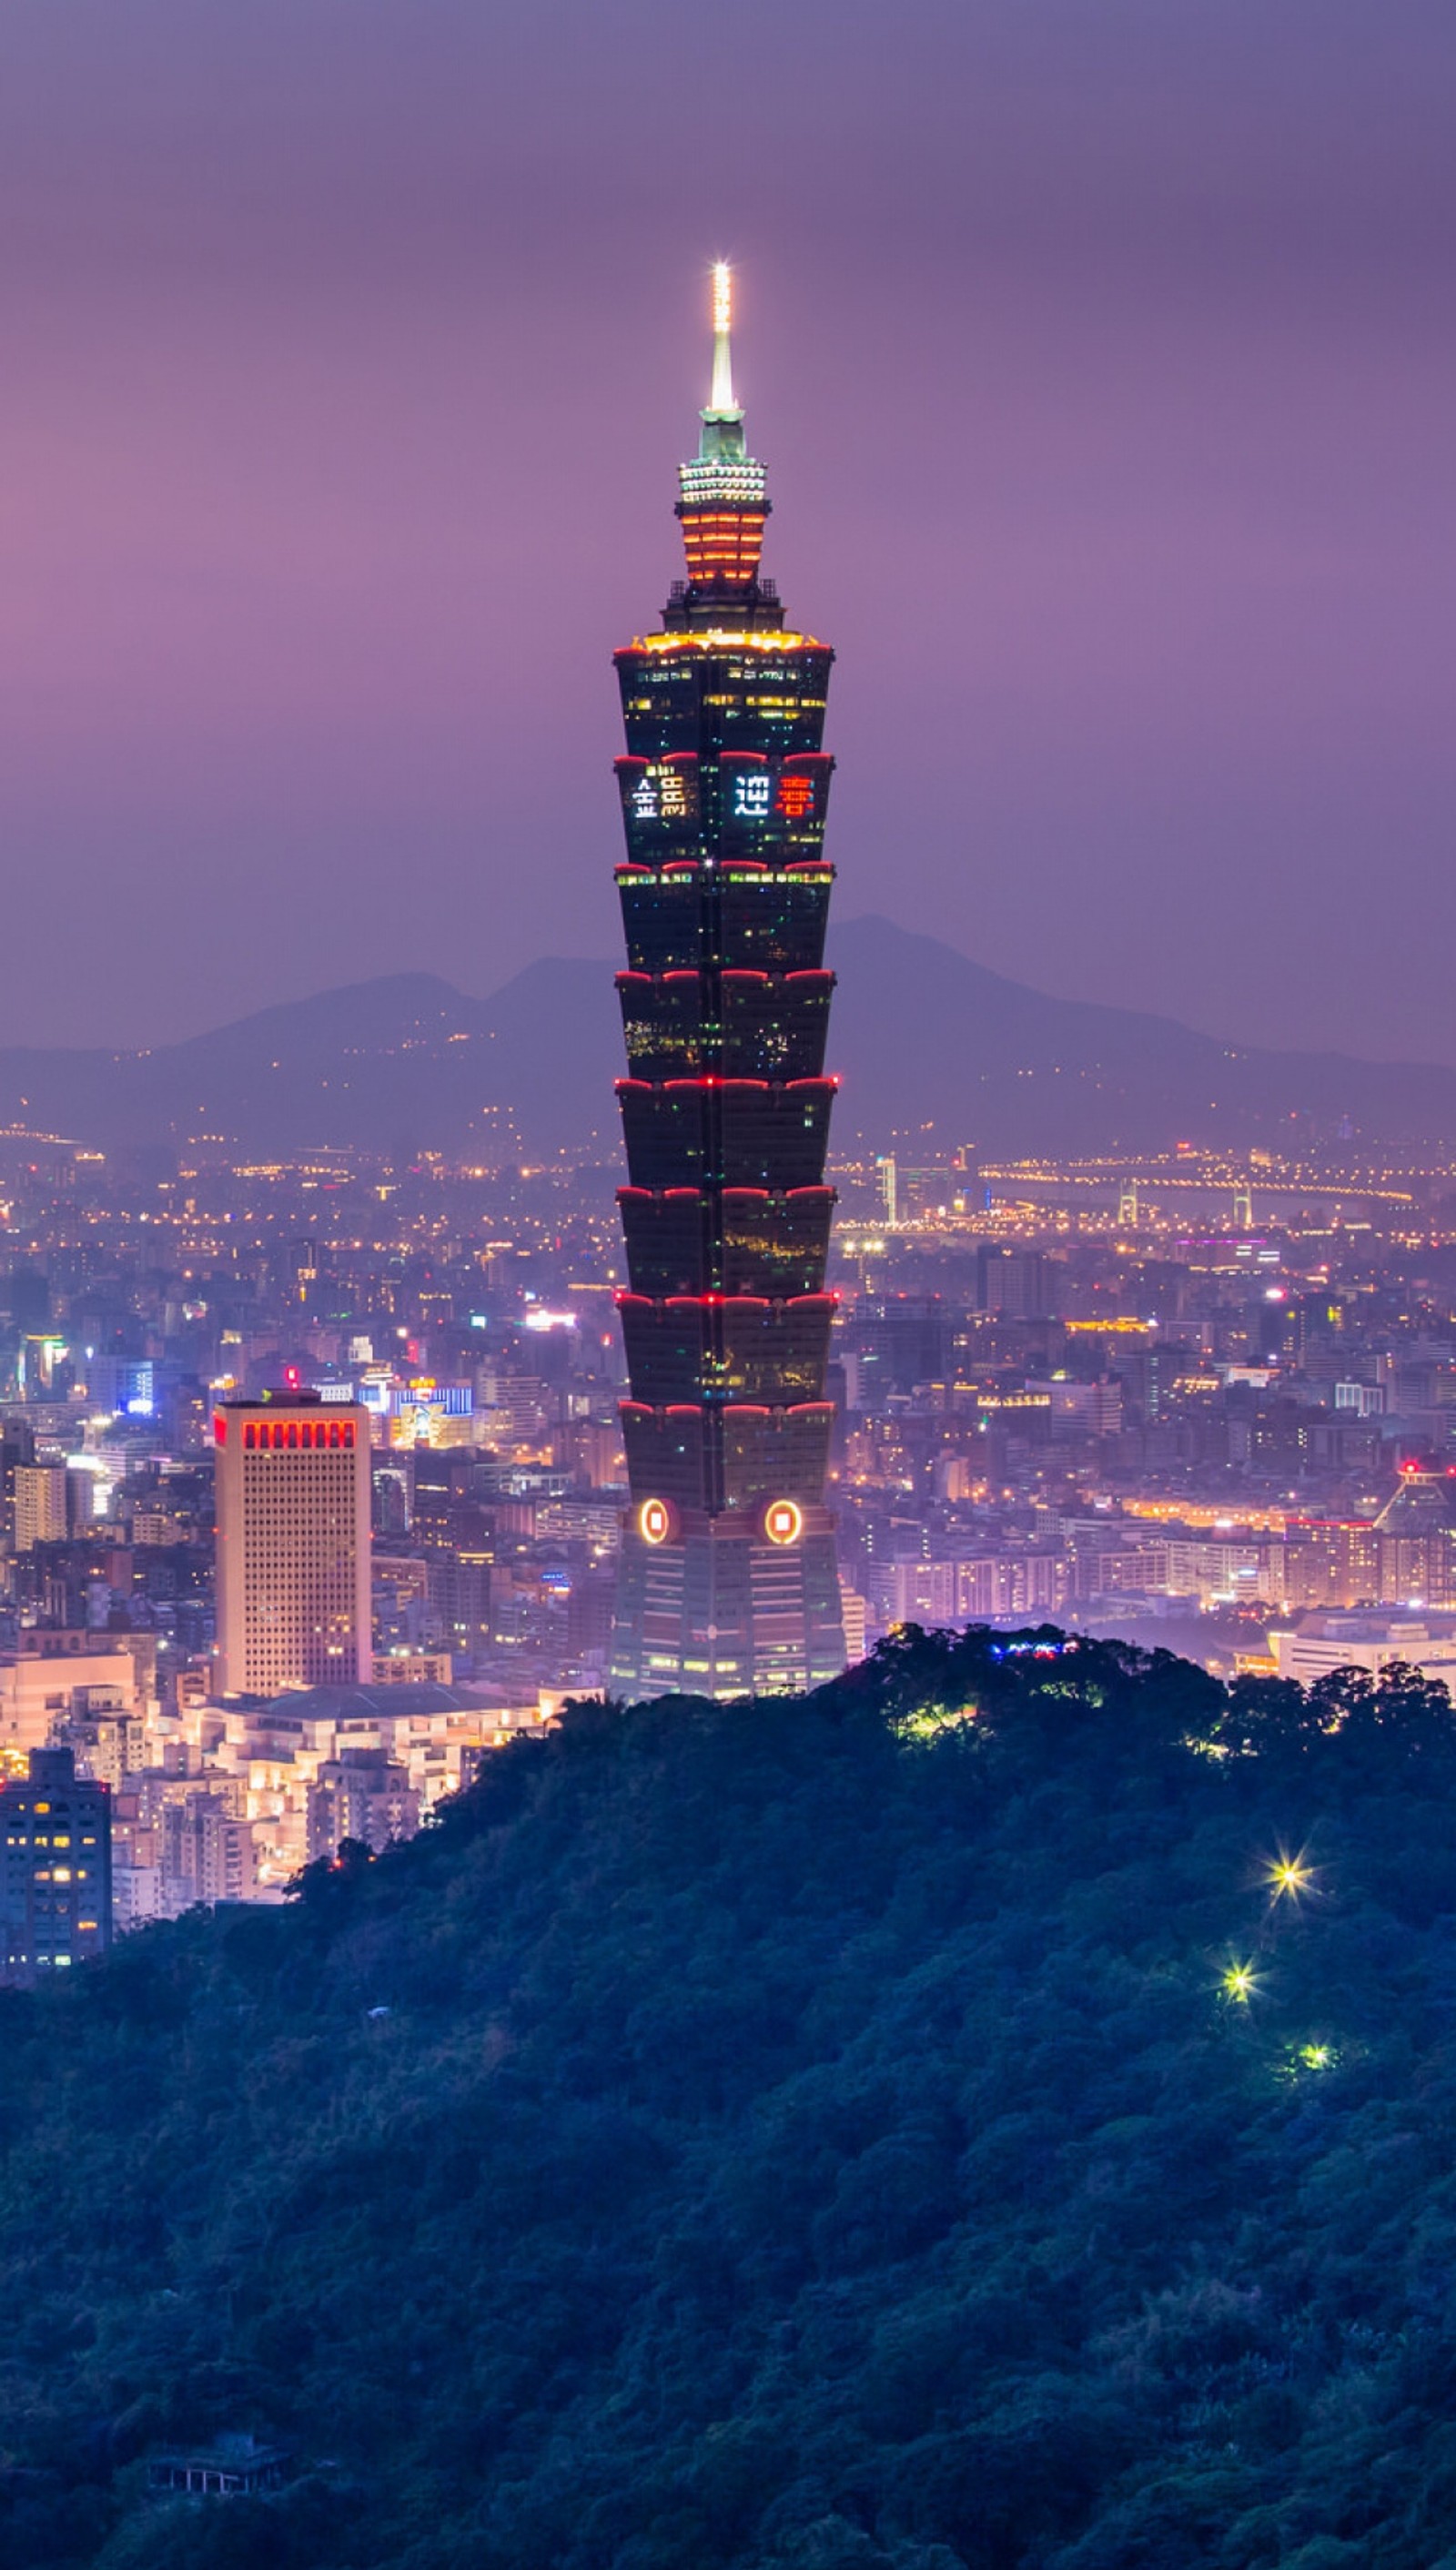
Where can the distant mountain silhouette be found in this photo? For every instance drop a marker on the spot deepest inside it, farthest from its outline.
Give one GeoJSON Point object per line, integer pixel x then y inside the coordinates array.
{"type": "Point", "coordinates": [920, 1033]}
{"type": "Point", "coordinates": [397, 1066]}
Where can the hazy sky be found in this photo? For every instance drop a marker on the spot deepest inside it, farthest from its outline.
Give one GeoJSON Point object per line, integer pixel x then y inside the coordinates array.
{"type": "Point", "coordinates": [1103, 353]}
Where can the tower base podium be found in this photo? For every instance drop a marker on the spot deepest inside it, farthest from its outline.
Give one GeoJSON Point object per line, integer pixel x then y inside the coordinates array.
{"type": "Point", "coordinates": [717, 1611]}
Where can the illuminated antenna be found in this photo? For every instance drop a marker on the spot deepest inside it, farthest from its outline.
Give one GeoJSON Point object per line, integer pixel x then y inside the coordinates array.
{"type": "Point", "coordinates": [721, 399]}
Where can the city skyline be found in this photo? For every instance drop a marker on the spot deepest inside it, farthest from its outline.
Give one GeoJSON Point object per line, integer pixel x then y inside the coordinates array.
{"type": "Point", "coordinates": [1123, 348]}
{"type": "Point", "coordinates": [727, 1497]}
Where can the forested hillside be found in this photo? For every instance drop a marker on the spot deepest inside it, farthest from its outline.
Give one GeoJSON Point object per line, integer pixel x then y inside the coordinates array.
{"type": "Point", "coordinates": [999, 2112]}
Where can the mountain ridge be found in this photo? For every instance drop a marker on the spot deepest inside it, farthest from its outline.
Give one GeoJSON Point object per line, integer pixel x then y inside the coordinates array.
{"type": "Point", "coordinates": [923, 1036]}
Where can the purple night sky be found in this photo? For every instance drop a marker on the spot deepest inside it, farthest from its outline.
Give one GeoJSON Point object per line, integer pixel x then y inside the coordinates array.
{"type": "Point", "coordinates": [1103, 354]}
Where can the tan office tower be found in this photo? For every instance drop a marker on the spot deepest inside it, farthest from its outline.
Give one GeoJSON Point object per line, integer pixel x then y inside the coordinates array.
{"type": "Point", "coordinates": [292, 1544]}
{"type": "Point", "coordinates": [40, 1504]}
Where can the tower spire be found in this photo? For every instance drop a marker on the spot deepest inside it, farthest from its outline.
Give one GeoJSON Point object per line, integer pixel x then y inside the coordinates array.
{"type": "Point", "coordinates": [721, 403]}
{"type": "Point", "coordinates": [723, 503]}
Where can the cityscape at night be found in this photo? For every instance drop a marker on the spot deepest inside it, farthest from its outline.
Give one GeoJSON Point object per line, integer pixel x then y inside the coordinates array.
{"type": "Point", "coordinates": [1203, 1397]}
{"type": "Point", "coordinates": [727, 1359]}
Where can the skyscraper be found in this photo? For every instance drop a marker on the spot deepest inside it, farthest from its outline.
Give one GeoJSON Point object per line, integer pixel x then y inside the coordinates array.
{"type": "Point", "coordinates": [292, 1544]}
{"type": "Point", "coordinates": [727, 1579]}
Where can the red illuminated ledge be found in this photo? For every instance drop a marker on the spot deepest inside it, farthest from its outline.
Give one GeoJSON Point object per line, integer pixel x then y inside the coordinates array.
{"type": "Point", "coordinates": [717, 1303]}
{"type": "Point", "coordinates": [757, 1195]}
{"type": "Point", "coordinates": [712, 1079]}
{"type": "Point", "coordinates": [794, 761]}
{"type": "Point", "coordinates": [728, 759]}
{"type": "Point", "coordinates": [730, 973]}
{"type": "Point", "coordinates": [721, 1302]}
{"type": "Point", "coordinates": [694, 973]}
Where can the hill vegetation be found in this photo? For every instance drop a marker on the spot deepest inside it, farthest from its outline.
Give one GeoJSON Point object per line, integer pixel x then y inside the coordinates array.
{"type": "Point", "coordinates": [996, 2112]}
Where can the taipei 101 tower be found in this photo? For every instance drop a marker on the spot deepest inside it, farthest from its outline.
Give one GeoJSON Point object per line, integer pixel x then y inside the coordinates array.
{"type": "Point", "coordinates": [728, 1583]}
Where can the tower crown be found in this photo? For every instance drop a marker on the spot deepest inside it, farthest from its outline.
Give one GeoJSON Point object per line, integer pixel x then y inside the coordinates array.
{"type": "Point", "coordinates": [723, 495]}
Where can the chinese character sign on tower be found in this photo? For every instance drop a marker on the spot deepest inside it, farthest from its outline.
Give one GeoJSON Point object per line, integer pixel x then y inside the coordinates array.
{"type": "Point", "coordinates": [728, 1582]}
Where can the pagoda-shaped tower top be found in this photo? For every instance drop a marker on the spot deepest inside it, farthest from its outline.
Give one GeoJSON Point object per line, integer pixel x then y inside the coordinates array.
{"type": "Point", "coordinates": [723, 493]}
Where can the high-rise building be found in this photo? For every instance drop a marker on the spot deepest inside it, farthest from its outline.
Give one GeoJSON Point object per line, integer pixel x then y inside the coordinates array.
{"type": "Point", "coordinates": [1019, 1284]}
{"type": "Point", "coordinates": [54, 1867]}
{"type": "Point", "coordinates": [1417, 1532]}
{"type": "Point", "coordinates": [292, 1544]}
{"type": "Point", "coordinates": [17, 1448]}
{"type": "Point", "coordinates": [727, 1579]}
{"type": "Point", "coordinates": [209, 1851]}
{"type": "Point", "coordinates": [40, 1504]}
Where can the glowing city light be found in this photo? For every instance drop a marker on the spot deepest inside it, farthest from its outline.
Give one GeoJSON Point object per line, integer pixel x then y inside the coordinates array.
{"type": "Point", "coordinates": [723, 295]}
{"type": "Point", "coordinates": [1238, 1984]}
{"type": "Point", "coordinates": [1288, 1876]}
